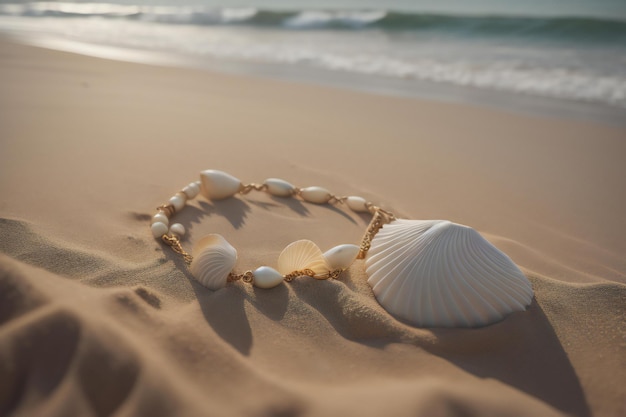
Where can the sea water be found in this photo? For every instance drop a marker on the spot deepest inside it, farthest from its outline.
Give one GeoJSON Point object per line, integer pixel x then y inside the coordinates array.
{"type": "Point", "coordinates": [573, 51]}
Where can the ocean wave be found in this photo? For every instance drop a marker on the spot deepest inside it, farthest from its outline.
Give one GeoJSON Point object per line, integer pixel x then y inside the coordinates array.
{"type": "Point", "coordinates": [387, 20]}
{"type": "Point", "coordinates": [575, 70]}
{"type": "Point", "coordinates": [503, 76]}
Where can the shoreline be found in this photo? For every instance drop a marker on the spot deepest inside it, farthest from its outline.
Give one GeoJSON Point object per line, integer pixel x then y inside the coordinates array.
{"type": "Point", "coordinates": [508, 101]}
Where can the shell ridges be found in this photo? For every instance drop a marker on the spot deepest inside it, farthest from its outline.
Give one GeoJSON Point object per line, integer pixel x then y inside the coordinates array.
{"type": "Point", "coordinates": [213, 259]}
{"type": "Point", "coordinates": [302, 254]}
{"type": "Point", "coordinates": [439, 273]}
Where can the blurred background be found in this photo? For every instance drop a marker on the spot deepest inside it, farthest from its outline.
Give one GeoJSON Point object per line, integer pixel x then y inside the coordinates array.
{"type": "Point", "coordinates": [560, 53]}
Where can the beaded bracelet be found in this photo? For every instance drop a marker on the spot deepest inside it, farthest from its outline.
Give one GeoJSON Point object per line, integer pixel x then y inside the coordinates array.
{"type": "Point", "coordinates": [214, 258]}
{"type": "Point", "coordinates": [427, 272]}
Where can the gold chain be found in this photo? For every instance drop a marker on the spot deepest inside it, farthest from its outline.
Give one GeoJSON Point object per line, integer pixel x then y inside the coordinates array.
{"type": "Point", "coordinates": [247, 276]}
{"type": "Point", "coordinates": [330, 274]}
{"type": "Point", "coordinates": [174, 243]}
{"type": "Point", "coordinates": [245, 189]}
{"type": "Point", "coordinates": [295, 274]}
{"type": "Point", "coordinates": [379, 218]}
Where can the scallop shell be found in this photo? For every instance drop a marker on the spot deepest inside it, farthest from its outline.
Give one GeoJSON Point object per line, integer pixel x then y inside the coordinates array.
{"type": "Point", "coordinates": [302, 254]}
{"type": "Point", "coordinates": [443, 274]}
{"type": "Point", "coordinates": [213, 259]}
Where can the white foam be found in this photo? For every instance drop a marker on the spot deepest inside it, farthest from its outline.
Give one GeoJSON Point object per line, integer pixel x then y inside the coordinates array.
{"type": "Point", "coordinates": [559, 73]}
{"type": "Point", "coordinates": [51, 8]}
{"type": "Point", "coordinates": [315, 19]}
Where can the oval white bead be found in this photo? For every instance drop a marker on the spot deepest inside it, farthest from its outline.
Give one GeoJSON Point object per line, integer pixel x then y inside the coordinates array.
{"type": "Point", "coordinates": [178, 201]}
{"type": "Point", "coordinates": [217, 185]}
{"type": "Point", "coordinates": [191, 190]}
{"type": "Point", "coordinates": [177, 229]}
{"type": "Point", "coordinates": [317, 195]}
{"type": "Point", "coordinates": [158, 229]}
{"type": "Point", "coordinates": [279, 188]}
{"type": "Point", "coordinates": [266, 277]}
{"type": "Point", "coordinates": [160, 217]}
{"type": "Point", "coordinates": [342, 256]}
{"type": "Point", "coordinates": [358, 204]}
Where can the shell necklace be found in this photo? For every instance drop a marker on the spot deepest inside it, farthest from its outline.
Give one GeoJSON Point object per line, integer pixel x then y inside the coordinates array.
{"type": "Point", "coordinates": [427, 272]}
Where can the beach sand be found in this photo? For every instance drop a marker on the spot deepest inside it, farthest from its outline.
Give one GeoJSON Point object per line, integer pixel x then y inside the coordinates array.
{"type": "Point", "coordinates": [97, 318]}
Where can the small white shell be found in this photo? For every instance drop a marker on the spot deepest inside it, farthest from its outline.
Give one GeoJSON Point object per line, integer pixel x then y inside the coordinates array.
{"type": "Point", "coordinates": [341, 257]}
{"type": "Point", "coordinates": [279, 188]}
{"type": "Point", "coordinates": [266, 277]}
{"type": "Point", "coordinates": [191, 190]}
{"type": "Point", "coordinates": [160, 217]}
{"type": "Point", "coordinates": [213, 259]}
{"type": "Point", "coordinates": [317, 195]}
{"type": "Point", "coordinates": [358, 204]}
{"type": "Point", "coordinates": [438, 273]}
{"type": "Point", "coordinates": [158, 229]}
{"type": "Point", "coordinates": [299, 255]}
{"type": "Point", "coordinates": [217, 185]}
{"type": "Point", "coordinates": [178, 201]}
{"type": "Point", "coordinates": [177, 229]}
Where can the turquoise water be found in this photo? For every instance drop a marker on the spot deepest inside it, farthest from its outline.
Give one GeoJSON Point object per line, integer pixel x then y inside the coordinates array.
{"type": "Point", "coordinates": [565, 49]}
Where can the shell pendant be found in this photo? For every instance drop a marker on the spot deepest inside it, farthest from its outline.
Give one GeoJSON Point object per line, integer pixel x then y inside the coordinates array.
{"type": "Point", "coordinates": [303, 255]}
{"type": "Point", "coordinates": [213, 259]}
{"type": "Point", "coordinates": [442, 274]}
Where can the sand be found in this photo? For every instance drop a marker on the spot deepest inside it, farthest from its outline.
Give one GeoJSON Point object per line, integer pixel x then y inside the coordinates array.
{"type": "Point", "coordinates": [97, 318]}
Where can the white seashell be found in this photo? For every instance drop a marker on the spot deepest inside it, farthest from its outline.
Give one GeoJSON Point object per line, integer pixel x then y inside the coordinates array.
{"type": "Point", "coordinates": [158, 229]}
{"type": "Point", "coordinates": [160, 217]}
{"type": "Point", "coordinates": [217, 185]}
{"type": "Point", "coordinates": [213, 259]}
{"type": "Point", "coordinates": [341, 257]}
{"type": "Point", "coordinates": [279, 188]}
{"type": "Point", "coordinates": [317, 195]}
{"type": "Point", "coordinates": [178, 201]}
{"type": "Point", "coordinates": [302, 254]}
{"type": "Point", "coordinates": [358, 204]}
{"type": "Point", "coordinates": [191, 190]}
{"type": "Point", "coordinates": [266, 277]}
{"type": "Point", "coordinates": [177, 229]}
{"type": "Point", "coordinates": [438, 273]}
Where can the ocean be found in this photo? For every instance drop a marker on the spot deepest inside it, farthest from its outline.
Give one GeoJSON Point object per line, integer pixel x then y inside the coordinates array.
{"type": "Point", "coordinates": [563, 54]}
